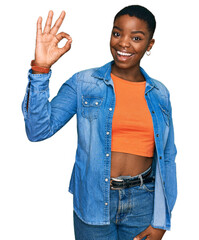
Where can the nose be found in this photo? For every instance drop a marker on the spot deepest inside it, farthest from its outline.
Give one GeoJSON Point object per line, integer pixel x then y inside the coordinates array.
{"type": "Point", "coordinates": [124, 42]}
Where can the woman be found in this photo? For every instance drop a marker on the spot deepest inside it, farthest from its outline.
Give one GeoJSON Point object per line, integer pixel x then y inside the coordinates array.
{"type": "Point", "coordinates": [124, 178]}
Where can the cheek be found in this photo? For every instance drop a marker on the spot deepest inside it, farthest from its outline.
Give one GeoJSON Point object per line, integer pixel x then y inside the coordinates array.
{"type": "Point", "coordinates": [113, 53]}
{"type": "Point", "coordinates": [140, 48]}
{"type": "Point", "coordinates": [112, 42]}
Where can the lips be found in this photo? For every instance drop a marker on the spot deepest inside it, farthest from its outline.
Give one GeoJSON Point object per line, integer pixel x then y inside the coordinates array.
{"type": "Point", "coordinates": [123, 56]}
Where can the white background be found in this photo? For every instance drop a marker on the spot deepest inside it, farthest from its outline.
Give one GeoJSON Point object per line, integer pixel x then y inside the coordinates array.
{"type": "Point", "coordinates": [34, 177]}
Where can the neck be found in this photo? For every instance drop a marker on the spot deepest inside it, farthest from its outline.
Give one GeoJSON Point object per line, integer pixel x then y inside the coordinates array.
{"type": "Point", "coordinates": [133, 74]}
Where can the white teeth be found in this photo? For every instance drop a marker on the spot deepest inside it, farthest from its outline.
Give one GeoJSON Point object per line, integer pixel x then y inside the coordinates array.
{"type": "Point", "coordinates": [124, 54]}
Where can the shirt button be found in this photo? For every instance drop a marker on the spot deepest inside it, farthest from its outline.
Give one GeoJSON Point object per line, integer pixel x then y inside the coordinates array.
{"type": "Point", "coordinates": [153, 112]}
{"type": "Point", "coordinates": [160, 157]}
{"type": "Point", "coordinates": [96, 103]}
{"type": "Point", "coordinates": [106, 179]}
{"type": "Point", "coordinates": [107, 133]}
{"type": "Point", "coordinates": [107, 154]}
{"type": "Point", "coordinates": [110, 109]}
{"type": "Point", "coordinates": [106, 203]}
{"type": "Point", "coordinates": [86, 102]}
{"type": "Point", "coordinates": [157, 135]}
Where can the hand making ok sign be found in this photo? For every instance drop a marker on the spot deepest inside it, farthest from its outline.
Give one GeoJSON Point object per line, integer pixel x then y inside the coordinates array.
{"type": "Point", "coordinates": [47, 51]}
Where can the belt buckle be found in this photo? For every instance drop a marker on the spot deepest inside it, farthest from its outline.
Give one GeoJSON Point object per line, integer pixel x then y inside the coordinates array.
{"type": "Point", "coordinates": [116, 180]}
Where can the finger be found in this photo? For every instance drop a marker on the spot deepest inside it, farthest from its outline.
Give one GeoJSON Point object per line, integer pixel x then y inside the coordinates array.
{"type": "Point", "coordinates": [67, 46]}
{"type": "Point", "coordinates": [48, 22]}
{"type": "Point", "coordinates": [39, 26]}
{"type": "Point", "coordinates": [58, 23]}
{"type": "Point", "coordinates": [141, 235]}
{"type": "Point", "coordinates": [60, 36]}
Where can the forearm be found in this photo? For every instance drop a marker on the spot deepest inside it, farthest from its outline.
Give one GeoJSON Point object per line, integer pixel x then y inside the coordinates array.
{"type": "Point", "coordinates": [44, 118]}
{"type": "Point", "coordinates": [36, 106]}
{"type": "Point", "coordinates": [33, 72]}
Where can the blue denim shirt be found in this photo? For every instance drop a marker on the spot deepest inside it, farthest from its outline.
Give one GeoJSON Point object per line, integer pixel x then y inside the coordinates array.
{"type": "Point", "coordinates": [90, 95]}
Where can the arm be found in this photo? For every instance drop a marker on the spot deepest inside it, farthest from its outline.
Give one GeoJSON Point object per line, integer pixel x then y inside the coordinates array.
{"type": "Point", "coordinates": [170, 152]}
{"type": "Point", "coordinates": [47, 51]}
{"type": "Point", "coordinates": [43, 118]}
{"type": "Point", "coordinates": [171, 183]}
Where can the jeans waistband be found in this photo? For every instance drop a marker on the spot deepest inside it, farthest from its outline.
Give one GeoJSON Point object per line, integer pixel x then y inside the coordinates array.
{"type": "Point", "coordinates": [122, 182]}
{"type": "Point", "coordinates": [132, 177]}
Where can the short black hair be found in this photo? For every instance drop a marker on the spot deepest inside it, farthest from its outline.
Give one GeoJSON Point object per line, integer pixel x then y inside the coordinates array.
{"type": "Point", "coordinates": [141, 13]}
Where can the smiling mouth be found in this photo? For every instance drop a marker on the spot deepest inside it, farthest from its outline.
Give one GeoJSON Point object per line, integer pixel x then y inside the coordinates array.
{"type": "Point", "coordinates": [124, 54]}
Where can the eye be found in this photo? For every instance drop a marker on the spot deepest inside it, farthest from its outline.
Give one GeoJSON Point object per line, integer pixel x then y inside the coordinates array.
{"type": "Point", "coordinates": [136, 39]}
{"type": "Point", "coordinates": [116, 34]}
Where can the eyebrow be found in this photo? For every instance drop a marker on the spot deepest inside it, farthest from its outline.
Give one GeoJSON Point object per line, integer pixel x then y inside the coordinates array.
{"type": "Point", "coordinates": [131, 32]}
{"type": "Point", "coordinates": [138, 32]}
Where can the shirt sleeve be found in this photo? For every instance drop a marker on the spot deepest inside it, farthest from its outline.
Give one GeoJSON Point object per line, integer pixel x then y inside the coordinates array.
{"type": "Point", "coordinates": [44, 118]}
{"type": "Point", "coordinates": [170, 152]}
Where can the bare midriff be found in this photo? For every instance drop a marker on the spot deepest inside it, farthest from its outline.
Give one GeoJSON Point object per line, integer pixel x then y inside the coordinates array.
{"type": "Point", "coordinates": [126, 164]}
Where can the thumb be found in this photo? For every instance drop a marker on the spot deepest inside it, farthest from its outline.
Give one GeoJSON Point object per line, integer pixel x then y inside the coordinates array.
{"type": "Point", "coordinates": [141, 235]}
{"type": "Point", "coordinates": [66, 47]}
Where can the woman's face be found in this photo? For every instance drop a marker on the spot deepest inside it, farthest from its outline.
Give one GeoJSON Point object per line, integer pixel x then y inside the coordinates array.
{"type": "Point", "coordinates": [130, 39]}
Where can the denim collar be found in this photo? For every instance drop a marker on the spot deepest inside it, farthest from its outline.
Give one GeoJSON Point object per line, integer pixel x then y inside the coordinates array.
{"type": "Point", "coordinates": [104, 73]}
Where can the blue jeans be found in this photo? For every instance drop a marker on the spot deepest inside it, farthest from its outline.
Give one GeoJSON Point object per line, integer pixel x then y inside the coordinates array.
{"type": "Point", "coordinates": [131, 213]}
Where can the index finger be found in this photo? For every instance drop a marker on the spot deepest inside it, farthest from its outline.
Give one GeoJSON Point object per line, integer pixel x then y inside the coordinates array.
{"type": "Point", "coordinates": [39, 26]}
{"type": "Point", "coordinates": [58, 23]}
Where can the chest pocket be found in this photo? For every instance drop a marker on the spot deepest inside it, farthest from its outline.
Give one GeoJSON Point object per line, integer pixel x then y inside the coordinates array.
{"type": "Point", "coordinates": [91, 106]}
{"type": "Point", "coordinates": [166, 114]}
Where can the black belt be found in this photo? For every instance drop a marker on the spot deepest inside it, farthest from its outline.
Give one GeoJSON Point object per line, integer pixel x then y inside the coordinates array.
{"type": "Point", "coordinates": [116, 184]}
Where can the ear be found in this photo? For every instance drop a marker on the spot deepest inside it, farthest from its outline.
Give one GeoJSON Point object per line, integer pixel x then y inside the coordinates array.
{"type": "Point", "coordinates": [150, 45]}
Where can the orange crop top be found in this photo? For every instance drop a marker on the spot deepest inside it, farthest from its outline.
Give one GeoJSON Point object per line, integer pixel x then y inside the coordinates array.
{"type": "Point", "coordinates": [132, 126]}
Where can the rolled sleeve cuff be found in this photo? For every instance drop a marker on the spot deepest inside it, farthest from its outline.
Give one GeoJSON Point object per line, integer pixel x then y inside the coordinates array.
{"type": "Point", "coordinates": [39, 82]}
{"type": "Point", "coordinates": [167, 227]}
{"type": "Point", "coordinates": [36, 83]}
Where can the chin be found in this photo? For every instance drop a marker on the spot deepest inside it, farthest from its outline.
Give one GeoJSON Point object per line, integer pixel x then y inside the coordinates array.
{"type": "Point", "coordinates": [123, 65]}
